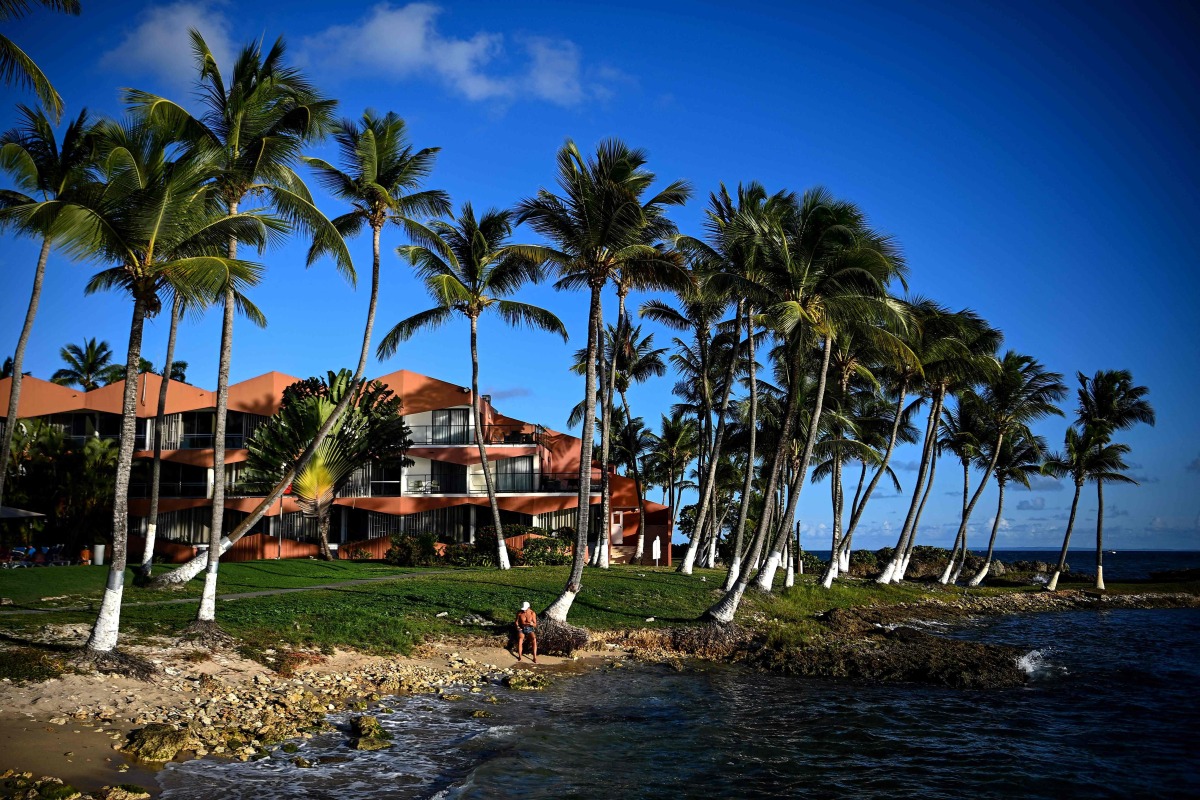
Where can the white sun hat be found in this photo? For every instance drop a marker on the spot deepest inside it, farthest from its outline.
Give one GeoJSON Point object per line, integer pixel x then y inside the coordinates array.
{"type": "Point", "coordinates": [525, 606]}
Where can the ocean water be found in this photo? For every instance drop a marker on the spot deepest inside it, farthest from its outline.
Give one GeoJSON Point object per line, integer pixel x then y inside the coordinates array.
{"type": "Point", "coordinates": [1111, 711]}
{"type": "Point", "coordinates": [1119, 565]}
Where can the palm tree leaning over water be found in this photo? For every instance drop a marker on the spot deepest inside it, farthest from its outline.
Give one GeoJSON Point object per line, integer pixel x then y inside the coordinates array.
{"type": "Point", "coordinates": [468, 267]}
{"type": "Point", "coordinates": [254, 125]}
{"type": "Point", "coordinates": [45, 176]}
{"type": "Point", "coordinates": [16, 67]}
{"type": "Point", "coordinates": [1108, 402]}
{"type": "Point", "coordinates": [1085, 457]}
{"type": "Point", "coordinates": [156, 218]}
{"type": "Point", "coordinates": [598, 224]}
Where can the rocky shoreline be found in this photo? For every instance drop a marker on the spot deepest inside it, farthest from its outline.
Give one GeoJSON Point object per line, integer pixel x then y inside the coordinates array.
{"type": "Point", "coordinates": [210, 703]}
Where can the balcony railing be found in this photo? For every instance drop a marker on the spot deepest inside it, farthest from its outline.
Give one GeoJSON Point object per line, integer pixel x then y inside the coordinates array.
{"type": "Point", "coordinates": [171, 489]}
{"type": "Point", "coordinates": [465, 434]}
{"type": "Point", "coordinates": [204, 441]}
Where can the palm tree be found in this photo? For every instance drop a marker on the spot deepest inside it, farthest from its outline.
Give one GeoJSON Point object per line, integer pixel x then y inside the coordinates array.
{"type": "Point", "coordinates": [673, 448]}
{"type": "Point", "coordinates": [16, 67]}
{"type": "Point", "coordinates": [254, 125]}
{"type": "Point", "coordinates": [45, 177]}
{"type": "Point", "coordinates": [371, 430]}
{"type": "Point", "coordinates": [155, 216]}
{"type": "Point", "coordinates": [468, 266]}
{"type": "Point", "coordinates": [1108, 402]}
{"type": "Point", "coordinates": [147, 568]}
{"type": "Point", "coordinates": [600, 224]}
{"type": "Point", "coordinates": [962, 431]}
{"type": "Point", "coordinates": [636, 360]}
{"type": "Point", "coordinates": [1020, 456]}
{"type": "Point", "coordinates": [1086, 456]}
{"type": "Point", "coordinates": [382, 168]}
{"type": "Point", "coordinates": [955, 350]}
{"type": "Point", "coordinates": [86, 365]}
{"type": "Point", "coordinates": [1022, 392]}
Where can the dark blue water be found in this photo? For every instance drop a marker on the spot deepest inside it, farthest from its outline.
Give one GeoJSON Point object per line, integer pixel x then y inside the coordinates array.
{"type": "Point", "coordinates": [1119, 565]}
{"type": "Point", "coordinates": [1111, 711]}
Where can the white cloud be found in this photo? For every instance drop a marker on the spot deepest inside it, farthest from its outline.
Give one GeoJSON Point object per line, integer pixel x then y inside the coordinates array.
{"type": "Point", "coordinates": [159, 46]}
{"type": "Point", "coordinates": [403, 42]}
{"type": "Point", "coordinates": [1036, 504]}
{"type": "Point", "coordinates": [1044, 483]}
{"type": "Point", "coordinates": [554, 73]}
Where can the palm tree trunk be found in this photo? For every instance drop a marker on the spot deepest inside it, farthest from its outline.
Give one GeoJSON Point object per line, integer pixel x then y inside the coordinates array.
{"type": "Point", "coordinates": [501, 545]}
{"type": "Point", "coordinates": [962, 528]}
{"type": "Point", "coordinates": [104, 633]}
{"type": "Point", "coordinates": [14, 389]}
{"type": "Point", "coordinates": [931, 429]}
{"type": "Point", "coordinates": [735, 565]}
{"type": "Point", "coordinates": [208, 600]}
{"type": "Point", "coordinates": [1100, 535]}
{"type": "Point", "coordinates": [160, 415]}
{"type": "Point", "coordinates": [637, 487]}
{"type": "Point", "coordinates": [722, 612]}
{"type": "Point", "coordinates": [558, 610]}
{"type": "Point", "coordinates": [960, 539]}
{"type": "Point", "coordinates": [607, 373]}
{"type": "Point", "coordinates": [323, 530]}
{"type": "Point", "coordinates": [987, 561]}
{"type": "Point", "coordinates": [710, 475]}
{"type": "Point", "coordinates": [844, 550]}
{"type": "Point", "coordinates": [835, 547]}
{"type": "Point", "coordinates": [856, 508]}
{"type": "Point", "coordinates": [912, 540]}
{"type": "Point", "coordinates": [192, 568]}
{"type": "Point", "coordinates": [766, 576]}
{"type": "Point", "coordinates": [1062, 557]}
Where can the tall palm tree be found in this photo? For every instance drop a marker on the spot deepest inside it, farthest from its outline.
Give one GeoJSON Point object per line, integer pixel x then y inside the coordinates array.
{"type": "Point", "coordinates": [147, 568]}
{"type": "Point", "coordinates": [155, 216]}
{"type": "Point", "coordinates": [636, 360]}
{"type": "Point", "coordinates": [1086, 456]}
{"type": "Point", "coordinates": [1021, 455]}
{"type": "Point", "coordinates": [1109, 401]}
{"type": "Point", "coordinates": [254, 126]}
{"type": "Point", "coordinates": [382, 169]}
{"type": "Point", "coordinates": [86, 365]}
{"type": "Point", "coordinates": [962, 431]}
{"type": "Point", "coordinates": [955, 350]}
{"type": "Point", "coordinates": [468, 267]}
{"type": "Point", "coordinates": [16, 67]}
{"type": "Point", "coordinates": [599, 224]}
{"type": "Point", "coordinates": [672, 451]}
{"type": "Point", "coordinates": [45, 176]}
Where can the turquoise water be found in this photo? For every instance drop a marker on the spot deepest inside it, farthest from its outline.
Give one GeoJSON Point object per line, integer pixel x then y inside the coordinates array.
{"type": "Point", "coordinates": [1111, 711]}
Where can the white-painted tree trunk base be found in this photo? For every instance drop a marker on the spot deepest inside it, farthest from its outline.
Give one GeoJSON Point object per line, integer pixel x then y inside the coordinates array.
{"type": "Point", "coordinates": [844, 561]}
{"type": "Point", "coordinates": [560, 607]}
{"type": "Point", "coordinates": [502, 556]}
{"type": "Point", "coordinates": [724, 611]}
{"type": "Point", "coordinates": [830, 574]}
{"type": "Point", "coordinates": [947, 571]}
{"type": "Point", "coordinates": [900, 573]}
{"type": "Point", "coordinates": [979, 576]}
{"type": "Point", "coordinates": [193, 567]}
{"type": "Point", "coordinates": [108, 622]}
{"type": "Point", "coordinates": [1053, 584]}
{"type": "Point", "coordinates": [1100, 578]}
{"type": "Point", "coordinates": [885, 577]}
{"type": "Point", "coordinates": [735, 570]}
{"type": "Point", "coordinates": [958, 570]}
{"type": "Point", "coordinates": [208, 600]}
{"type": "Point", "coordinates": [766, 576]}
{"type": "Point", "coordinates": [789, 579]}
{"type": "Point", "coordinates": [148, 550]}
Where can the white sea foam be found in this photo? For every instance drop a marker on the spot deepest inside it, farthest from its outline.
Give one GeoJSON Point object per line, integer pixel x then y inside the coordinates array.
{"type": "Point", "coordinates": [1036, 665]}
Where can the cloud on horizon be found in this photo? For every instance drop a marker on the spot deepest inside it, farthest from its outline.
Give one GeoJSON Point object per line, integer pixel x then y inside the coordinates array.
{"type": "Point", "coordinates": [159, 46]}
{"type": "Point", "coordinates": [1044, 483]}
{"type": "Point", "coordinates": [505, 394]}
{"type": "Point", "coordinates": [403, 42]}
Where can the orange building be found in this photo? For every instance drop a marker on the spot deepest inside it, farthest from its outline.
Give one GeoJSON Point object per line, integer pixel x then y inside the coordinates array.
{"type": "Point", "coordinates": [535, 469]}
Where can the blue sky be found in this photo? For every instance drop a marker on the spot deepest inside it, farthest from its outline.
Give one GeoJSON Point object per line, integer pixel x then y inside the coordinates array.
{"type": "Point", "coordinates": [1037, 162]}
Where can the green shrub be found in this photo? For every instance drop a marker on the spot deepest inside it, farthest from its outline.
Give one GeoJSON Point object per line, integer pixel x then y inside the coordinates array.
{"type": "Point", "coordinates": [863, 558]}
{"type": "Point", "coordinates": [469, 555]}
{"type": "Point", "coordinates": [566, 533]}
{"type": "Point", "coordinates": [359, 554]}
{"type": "Point", "coordinates": [413, 550]}
{"type": "Point", "coordinates": [546, 552]}
{"type": "Point", "coordinates": [812, 564]}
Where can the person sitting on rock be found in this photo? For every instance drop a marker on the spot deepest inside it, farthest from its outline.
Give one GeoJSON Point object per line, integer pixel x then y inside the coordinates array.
{"type": "Point", "coordinates": [526, 626]}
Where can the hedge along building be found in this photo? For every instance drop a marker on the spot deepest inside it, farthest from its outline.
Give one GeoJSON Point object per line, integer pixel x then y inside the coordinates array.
{"type": "Point", "coordinates": [535, 469]}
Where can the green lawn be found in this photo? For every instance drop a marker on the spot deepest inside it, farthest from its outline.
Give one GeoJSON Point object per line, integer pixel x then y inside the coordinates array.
{"type": "Point", "coordinates": [58, 587]}
{"type": "Point", "coordinates": [393, 615]}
